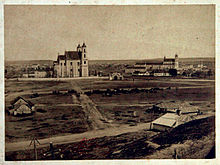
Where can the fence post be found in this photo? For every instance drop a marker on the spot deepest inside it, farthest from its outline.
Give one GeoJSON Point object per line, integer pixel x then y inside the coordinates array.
{"type": "Point", "coordinates": [51, 150]}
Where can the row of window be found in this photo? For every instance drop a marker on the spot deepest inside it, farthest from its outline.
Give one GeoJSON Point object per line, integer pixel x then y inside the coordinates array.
{"type": "Point", "coordinates": [71, 70]}
{"type": "Point", "coordinates": [71, 63]}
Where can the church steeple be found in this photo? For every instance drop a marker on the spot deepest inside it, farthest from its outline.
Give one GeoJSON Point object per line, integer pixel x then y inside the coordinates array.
{"type": "Point", "coordinates": [84, 45]}
{"type": "Point", "coordinates": [84, 50]}
{"type": "Point", "coordinates": [79, 48]}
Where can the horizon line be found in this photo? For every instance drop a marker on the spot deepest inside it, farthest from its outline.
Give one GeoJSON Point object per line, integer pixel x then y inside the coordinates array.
{"type": "Point", "coordinates": [112, 59]}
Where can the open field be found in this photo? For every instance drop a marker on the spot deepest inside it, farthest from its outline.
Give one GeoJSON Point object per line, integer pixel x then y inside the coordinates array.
{"type": "Point", "coordinates": [138, 83]}
{"type": "Point", "coordinates": [66, 113]}
{"type": "Point", "coordinates": [47, 121]}
{"type": "Point", "coordinates": [139, 145]}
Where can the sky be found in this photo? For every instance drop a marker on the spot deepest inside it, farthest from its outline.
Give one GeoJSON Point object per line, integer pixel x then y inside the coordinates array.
{"type": "Point", "coordinates": [34, 32]}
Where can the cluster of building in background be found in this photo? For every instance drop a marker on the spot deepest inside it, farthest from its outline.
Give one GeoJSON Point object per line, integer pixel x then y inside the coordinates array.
{"type": "Point", "coordinates": [158, 68]}
{"type": "Point", "coordinates": [71, 64]}
{"type": "Point", "coordinates": [37, 71]}
{"type": "Point", "coordinates": [76, 64]}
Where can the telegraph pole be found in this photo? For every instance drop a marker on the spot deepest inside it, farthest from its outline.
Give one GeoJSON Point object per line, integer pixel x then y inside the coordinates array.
{"type": "Point", "coordinates": [35, 141]}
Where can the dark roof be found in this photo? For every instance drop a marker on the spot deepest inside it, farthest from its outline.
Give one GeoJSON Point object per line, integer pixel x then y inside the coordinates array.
{"type": "Point", "coordinates": [140, 63]}
{"type": "Point", "coordinates": [183, 106]}
{"type": "Point", "coordinates": [18, 98]}
{"type": "Point", "coordinates": [133, 67]}
{"type": "Point", "coordinates": [72, 55]}
{"type": "Point", "coordinates": [61, 57]}
{"type": "Point", "coordinates": [169, 60]}
{"type": "Point", "coordinates": [154, 63]}
{"type": "Point", "coordinates": [150, 63]}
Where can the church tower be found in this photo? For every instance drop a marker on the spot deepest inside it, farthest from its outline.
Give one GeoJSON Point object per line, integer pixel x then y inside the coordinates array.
{"type": "Point", "coordinates": [84, 62]}
{"type": "Point", "coordinates": [176, 62]}
{"type": "Point", "coordinates": [79, 49]}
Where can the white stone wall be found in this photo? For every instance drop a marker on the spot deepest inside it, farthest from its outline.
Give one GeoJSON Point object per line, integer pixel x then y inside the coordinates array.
{"type": "Point", "coordinates": [85, 70]}
{"type": "Point", "coordinates": [61, 68]}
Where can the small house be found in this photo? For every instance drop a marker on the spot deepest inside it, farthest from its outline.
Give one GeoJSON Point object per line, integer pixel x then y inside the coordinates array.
{"type": "Point", "coordinates": [116, 76]}
{"type": "Point", "coordinates": [170, 120]}
{"type": "Point", "coordinates": [164, 122]}
{"type": "Point", "coordinates": [176, 106]}
{"type": "Point", "coordinates": [20, 106]}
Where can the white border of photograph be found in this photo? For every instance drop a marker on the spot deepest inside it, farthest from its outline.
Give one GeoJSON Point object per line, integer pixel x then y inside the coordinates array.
{"type": "Point", "coordinates": [112, 2]}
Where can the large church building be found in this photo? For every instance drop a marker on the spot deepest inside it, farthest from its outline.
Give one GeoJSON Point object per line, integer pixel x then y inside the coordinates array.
{"type": "Point", "coordinates": [72, 63]}
{"type": "Point", "coordinates": [158, 66]}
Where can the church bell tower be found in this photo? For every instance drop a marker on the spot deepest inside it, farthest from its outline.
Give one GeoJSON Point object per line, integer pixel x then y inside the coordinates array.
{"type": "Point", "coordinates": [84, 62]}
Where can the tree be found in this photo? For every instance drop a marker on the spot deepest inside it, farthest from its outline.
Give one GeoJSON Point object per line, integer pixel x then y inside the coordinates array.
{"type": "Point", "coordinates": [173, 72]}
{"type": "Point", "coordinates": [184, 74]}
{"type": "Point", "coordinates": [209, 72]}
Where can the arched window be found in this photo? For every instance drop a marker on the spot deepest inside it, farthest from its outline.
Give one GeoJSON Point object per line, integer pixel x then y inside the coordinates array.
{"type": "Point", "coordinates": [84, 62]}
{"type": "Point", "coordinates": [84, 55]}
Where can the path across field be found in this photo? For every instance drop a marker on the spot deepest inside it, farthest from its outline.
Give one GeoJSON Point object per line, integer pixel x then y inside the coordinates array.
{"type": "Point", "coordinates": [112, 131]}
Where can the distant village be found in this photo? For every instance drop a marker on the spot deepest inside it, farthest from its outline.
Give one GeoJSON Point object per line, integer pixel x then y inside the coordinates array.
{"type": "Point", "coordinates": [76, 64]}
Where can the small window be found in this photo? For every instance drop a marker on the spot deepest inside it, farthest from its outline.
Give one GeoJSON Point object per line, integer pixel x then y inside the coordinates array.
{"type": "Point", "coordinates": [71, 63]}
{"type": "Point", "coordinates": [71, 70]}
{"type": "Point", "coordinates": [61, 64]}
{"type": "Point", "coordinates": [84, 50]}
{"type": "Point", "coordinates": [78, 63]}
{"type": "Point", "coordinates": [64, 64]}
{"type": "Point", "coordinates": [84, 55]}
{"type": "Point", "coordinates": [84, 62]}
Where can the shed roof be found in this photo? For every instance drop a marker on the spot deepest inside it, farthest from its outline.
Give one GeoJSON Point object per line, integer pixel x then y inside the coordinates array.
{"type": "Point", "coordinates": [166, 120]}
{"type": "Point", "coordinates": [172, 119]}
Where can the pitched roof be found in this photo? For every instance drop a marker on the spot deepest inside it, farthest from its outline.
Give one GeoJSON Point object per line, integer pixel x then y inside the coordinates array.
{"type": "Point", "coordinates": [154, 63]}
{"type": "Point", "coordinates": [184, 119]}
{"type": "Point", "coordinates": [22, 105]}
{"type": "Point", "coordinates": [72, 55]}
{"type": "Point", "coordinates": [61, 57]}
{"type": "Point", "coordinates": [18, 98]}
{"type": "Point", "coordinates": [183, 106]}
{"type": "Point", "coordinates": [169, 60]}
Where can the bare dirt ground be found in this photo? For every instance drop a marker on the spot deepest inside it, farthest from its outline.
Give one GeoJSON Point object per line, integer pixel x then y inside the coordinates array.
{"type": "Point", "coordinates": [112, 131]}
{"type": "Point", "coordinates": [99, 116]}
{"type": "Point", "coordinates": [131, 142]}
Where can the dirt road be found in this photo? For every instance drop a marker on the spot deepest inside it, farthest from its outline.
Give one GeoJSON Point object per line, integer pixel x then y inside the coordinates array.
{"type": "Point", "coordinates": [113, 131]}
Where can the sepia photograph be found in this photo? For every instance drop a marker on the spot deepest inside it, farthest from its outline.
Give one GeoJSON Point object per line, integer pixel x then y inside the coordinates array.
{"type": "Point", "coordinates": [109, 82]}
